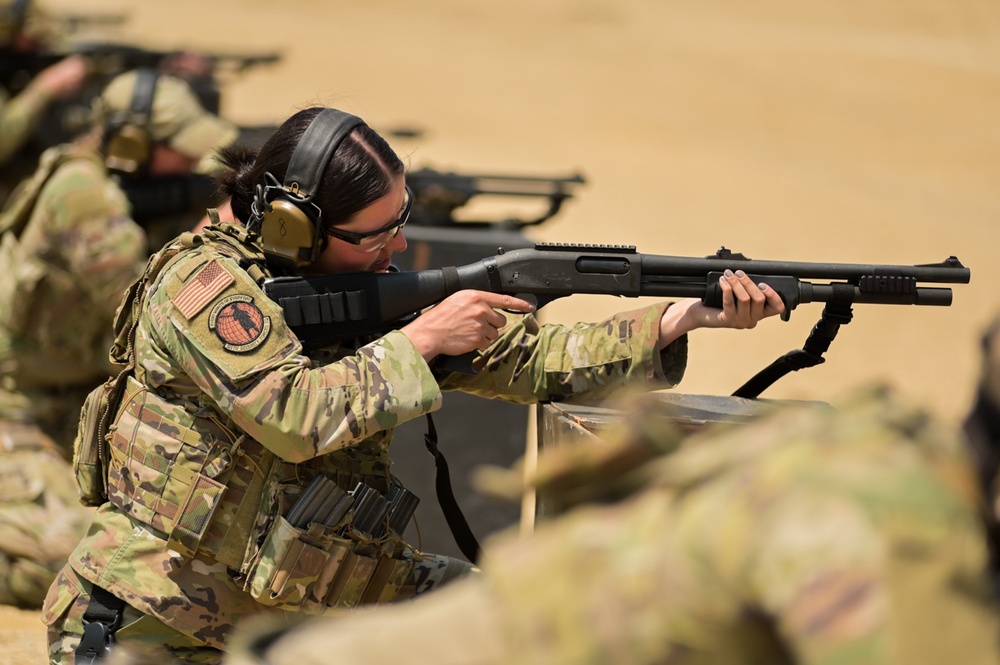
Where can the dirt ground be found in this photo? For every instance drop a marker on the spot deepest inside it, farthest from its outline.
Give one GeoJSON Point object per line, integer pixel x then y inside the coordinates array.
{"type": "Point", "coordinates": [863, 131]}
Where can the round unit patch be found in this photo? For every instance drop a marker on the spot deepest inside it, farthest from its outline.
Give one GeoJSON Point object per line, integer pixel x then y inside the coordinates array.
{"type": "Point", "coordinates": [239, 323]}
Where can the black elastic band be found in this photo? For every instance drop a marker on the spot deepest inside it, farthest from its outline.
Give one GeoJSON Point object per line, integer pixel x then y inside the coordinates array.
{"type": "Point", "coordinates": [460, 529]}
{"type": "Point", "coordinates": [316, 147]}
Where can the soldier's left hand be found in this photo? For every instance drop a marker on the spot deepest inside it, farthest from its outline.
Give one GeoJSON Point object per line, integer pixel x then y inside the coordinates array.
{"type": "Point", "coordinates": [744, 305]}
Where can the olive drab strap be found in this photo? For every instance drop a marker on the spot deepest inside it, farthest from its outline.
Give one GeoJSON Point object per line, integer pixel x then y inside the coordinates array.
{"type": "Point", "coordinates": [238, 240]}
{"type": "Point", "coordinates": [213, 216]}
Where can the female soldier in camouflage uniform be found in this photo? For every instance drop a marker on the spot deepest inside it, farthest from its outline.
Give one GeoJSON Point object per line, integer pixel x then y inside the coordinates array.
{"type": "Point", "coordinates": [223, 422]}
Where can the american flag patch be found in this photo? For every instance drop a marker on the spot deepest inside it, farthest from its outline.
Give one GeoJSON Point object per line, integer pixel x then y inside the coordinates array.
{"type": "Point", "coordinates": [208, 283]}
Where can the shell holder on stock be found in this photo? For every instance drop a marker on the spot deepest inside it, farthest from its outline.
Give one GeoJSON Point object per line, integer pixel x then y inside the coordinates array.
{"type": "Point", "coordinates": [288, 219]}
{"type": "Point", "coordinates": [128, 144]}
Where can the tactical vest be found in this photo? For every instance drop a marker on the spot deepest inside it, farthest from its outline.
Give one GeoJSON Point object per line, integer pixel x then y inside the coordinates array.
{"type": "Point", "coordinates": [189, 473]}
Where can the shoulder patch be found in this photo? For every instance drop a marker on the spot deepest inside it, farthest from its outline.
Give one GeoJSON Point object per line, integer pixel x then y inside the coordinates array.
{"type": "Point", "coordinates": [202, 289]}
{"type": "Point", "coordinates": [239, 323]}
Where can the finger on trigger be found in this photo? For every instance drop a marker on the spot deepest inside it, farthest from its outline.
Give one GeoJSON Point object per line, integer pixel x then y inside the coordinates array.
{"type": "Point", "coordinates": [509, 302]}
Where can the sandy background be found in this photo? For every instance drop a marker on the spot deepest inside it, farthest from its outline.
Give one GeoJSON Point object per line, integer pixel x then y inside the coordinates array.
{"type": "Point", "coordinates": [858, 131]}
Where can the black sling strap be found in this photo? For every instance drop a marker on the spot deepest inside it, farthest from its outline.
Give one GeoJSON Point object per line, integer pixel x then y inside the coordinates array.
{"type": "Point", "coordinates": [836, 313]}
{"type": "Point", "coordinates": [100, 621]}
{"type": "Point", "coordinates": [460, 529]}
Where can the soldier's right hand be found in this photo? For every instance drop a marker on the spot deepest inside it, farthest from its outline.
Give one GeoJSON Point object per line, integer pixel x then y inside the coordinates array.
{"type": "Point", "coordinates": [65, 78]}
{"type": "Point", "coordinates": [464, 321]}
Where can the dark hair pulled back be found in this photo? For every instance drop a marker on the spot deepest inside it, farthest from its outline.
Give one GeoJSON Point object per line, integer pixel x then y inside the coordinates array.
{"type": "Point", "coordinates": [362, 170]}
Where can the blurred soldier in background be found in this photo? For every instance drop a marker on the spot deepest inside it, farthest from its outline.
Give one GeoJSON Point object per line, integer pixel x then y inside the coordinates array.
{"type": "Point", "coordinates": [57, 74]}
{"type": "Point", "coordinates": [22, 31]}
{"type": "Point", "coordinates": [68, 250]}
{"type": "Point", "coordinates": [808, 536]}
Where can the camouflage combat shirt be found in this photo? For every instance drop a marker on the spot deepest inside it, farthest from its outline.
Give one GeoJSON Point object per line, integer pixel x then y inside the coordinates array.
{"type": "Point", "coordinates": [208, 338]}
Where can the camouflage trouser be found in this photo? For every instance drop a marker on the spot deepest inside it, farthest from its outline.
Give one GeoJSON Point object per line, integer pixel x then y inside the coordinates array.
{"type": "Point", "coordinates": [41, 519]}
{"type": "Point", "coordinates": [140, 636]}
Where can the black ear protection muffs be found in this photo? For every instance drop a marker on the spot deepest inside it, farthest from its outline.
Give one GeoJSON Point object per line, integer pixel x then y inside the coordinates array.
{"type": "Point", "coordinates": [128, 145]}
{"type": "Point", "coordinates": [284, 214]}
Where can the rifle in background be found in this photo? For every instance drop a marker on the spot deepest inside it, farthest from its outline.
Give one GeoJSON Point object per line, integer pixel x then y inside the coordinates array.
{"type": "Point", "coordinates": [108, 59]}
{"type": "Point", "coordinates": [438, 194]}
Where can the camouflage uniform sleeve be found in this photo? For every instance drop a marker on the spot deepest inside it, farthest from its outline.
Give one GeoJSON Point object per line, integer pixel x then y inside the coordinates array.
{"type": "Point", "coordinates": [230, 340]}
{"type": "Point", "coordinates": [19, 116]}
{"type": "Point", "coordinates": [90, 229]}
{"type": "Point", "coordinates": [846, 589]}
{"type": "Point", "coordinates": [820, 571]}
{"type": "Point", "coordinates": [844, 539]}
{"type": "Point", "coordinates": [530, 362]}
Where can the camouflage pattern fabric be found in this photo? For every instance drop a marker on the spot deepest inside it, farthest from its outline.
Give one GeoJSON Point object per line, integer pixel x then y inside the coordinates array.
{"type": "Point", "coordinates": [145, 639]}
{"type": "Point", "coordinates": [41, 520]}
{"type": "Point", "coordinates": [63, 276]}
{"type": "Point", "coordinates": [812, 536]}
{"type": "Point", "coordinates": [228, 409]}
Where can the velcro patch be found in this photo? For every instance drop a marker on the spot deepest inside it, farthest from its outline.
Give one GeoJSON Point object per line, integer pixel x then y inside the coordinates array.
{"type": "Point", "coordinates": [239, 323]}
{"type": "Point", "coordinates": [202, 289]}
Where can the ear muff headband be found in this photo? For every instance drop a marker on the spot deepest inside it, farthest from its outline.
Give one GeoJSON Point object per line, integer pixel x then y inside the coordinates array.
{"type": "Point", "coordinates": [290, 228]}
{"type": "Point", "coordinates": [128, 145]}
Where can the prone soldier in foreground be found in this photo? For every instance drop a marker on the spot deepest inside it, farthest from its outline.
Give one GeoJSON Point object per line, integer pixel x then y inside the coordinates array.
{"type": "Point", "coordinates": [219, 425]}
{"type": "Point", "coordinates": [68, 251]}
{"type": "Point", "coordinates": [810, 536]}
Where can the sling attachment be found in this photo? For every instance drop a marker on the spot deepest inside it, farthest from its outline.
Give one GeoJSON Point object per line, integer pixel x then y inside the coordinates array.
{"type": "Point", "coordinates": [100, 621]}
{"type": "Point", "coordinates": [460, 529]}
{"type": "Point", "coordinates": [836, 313]}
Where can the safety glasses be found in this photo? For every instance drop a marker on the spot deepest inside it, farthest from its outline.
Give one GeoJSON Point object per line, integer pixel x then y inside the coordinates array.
{"type": "Point", "coordinates": [373, 241]}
